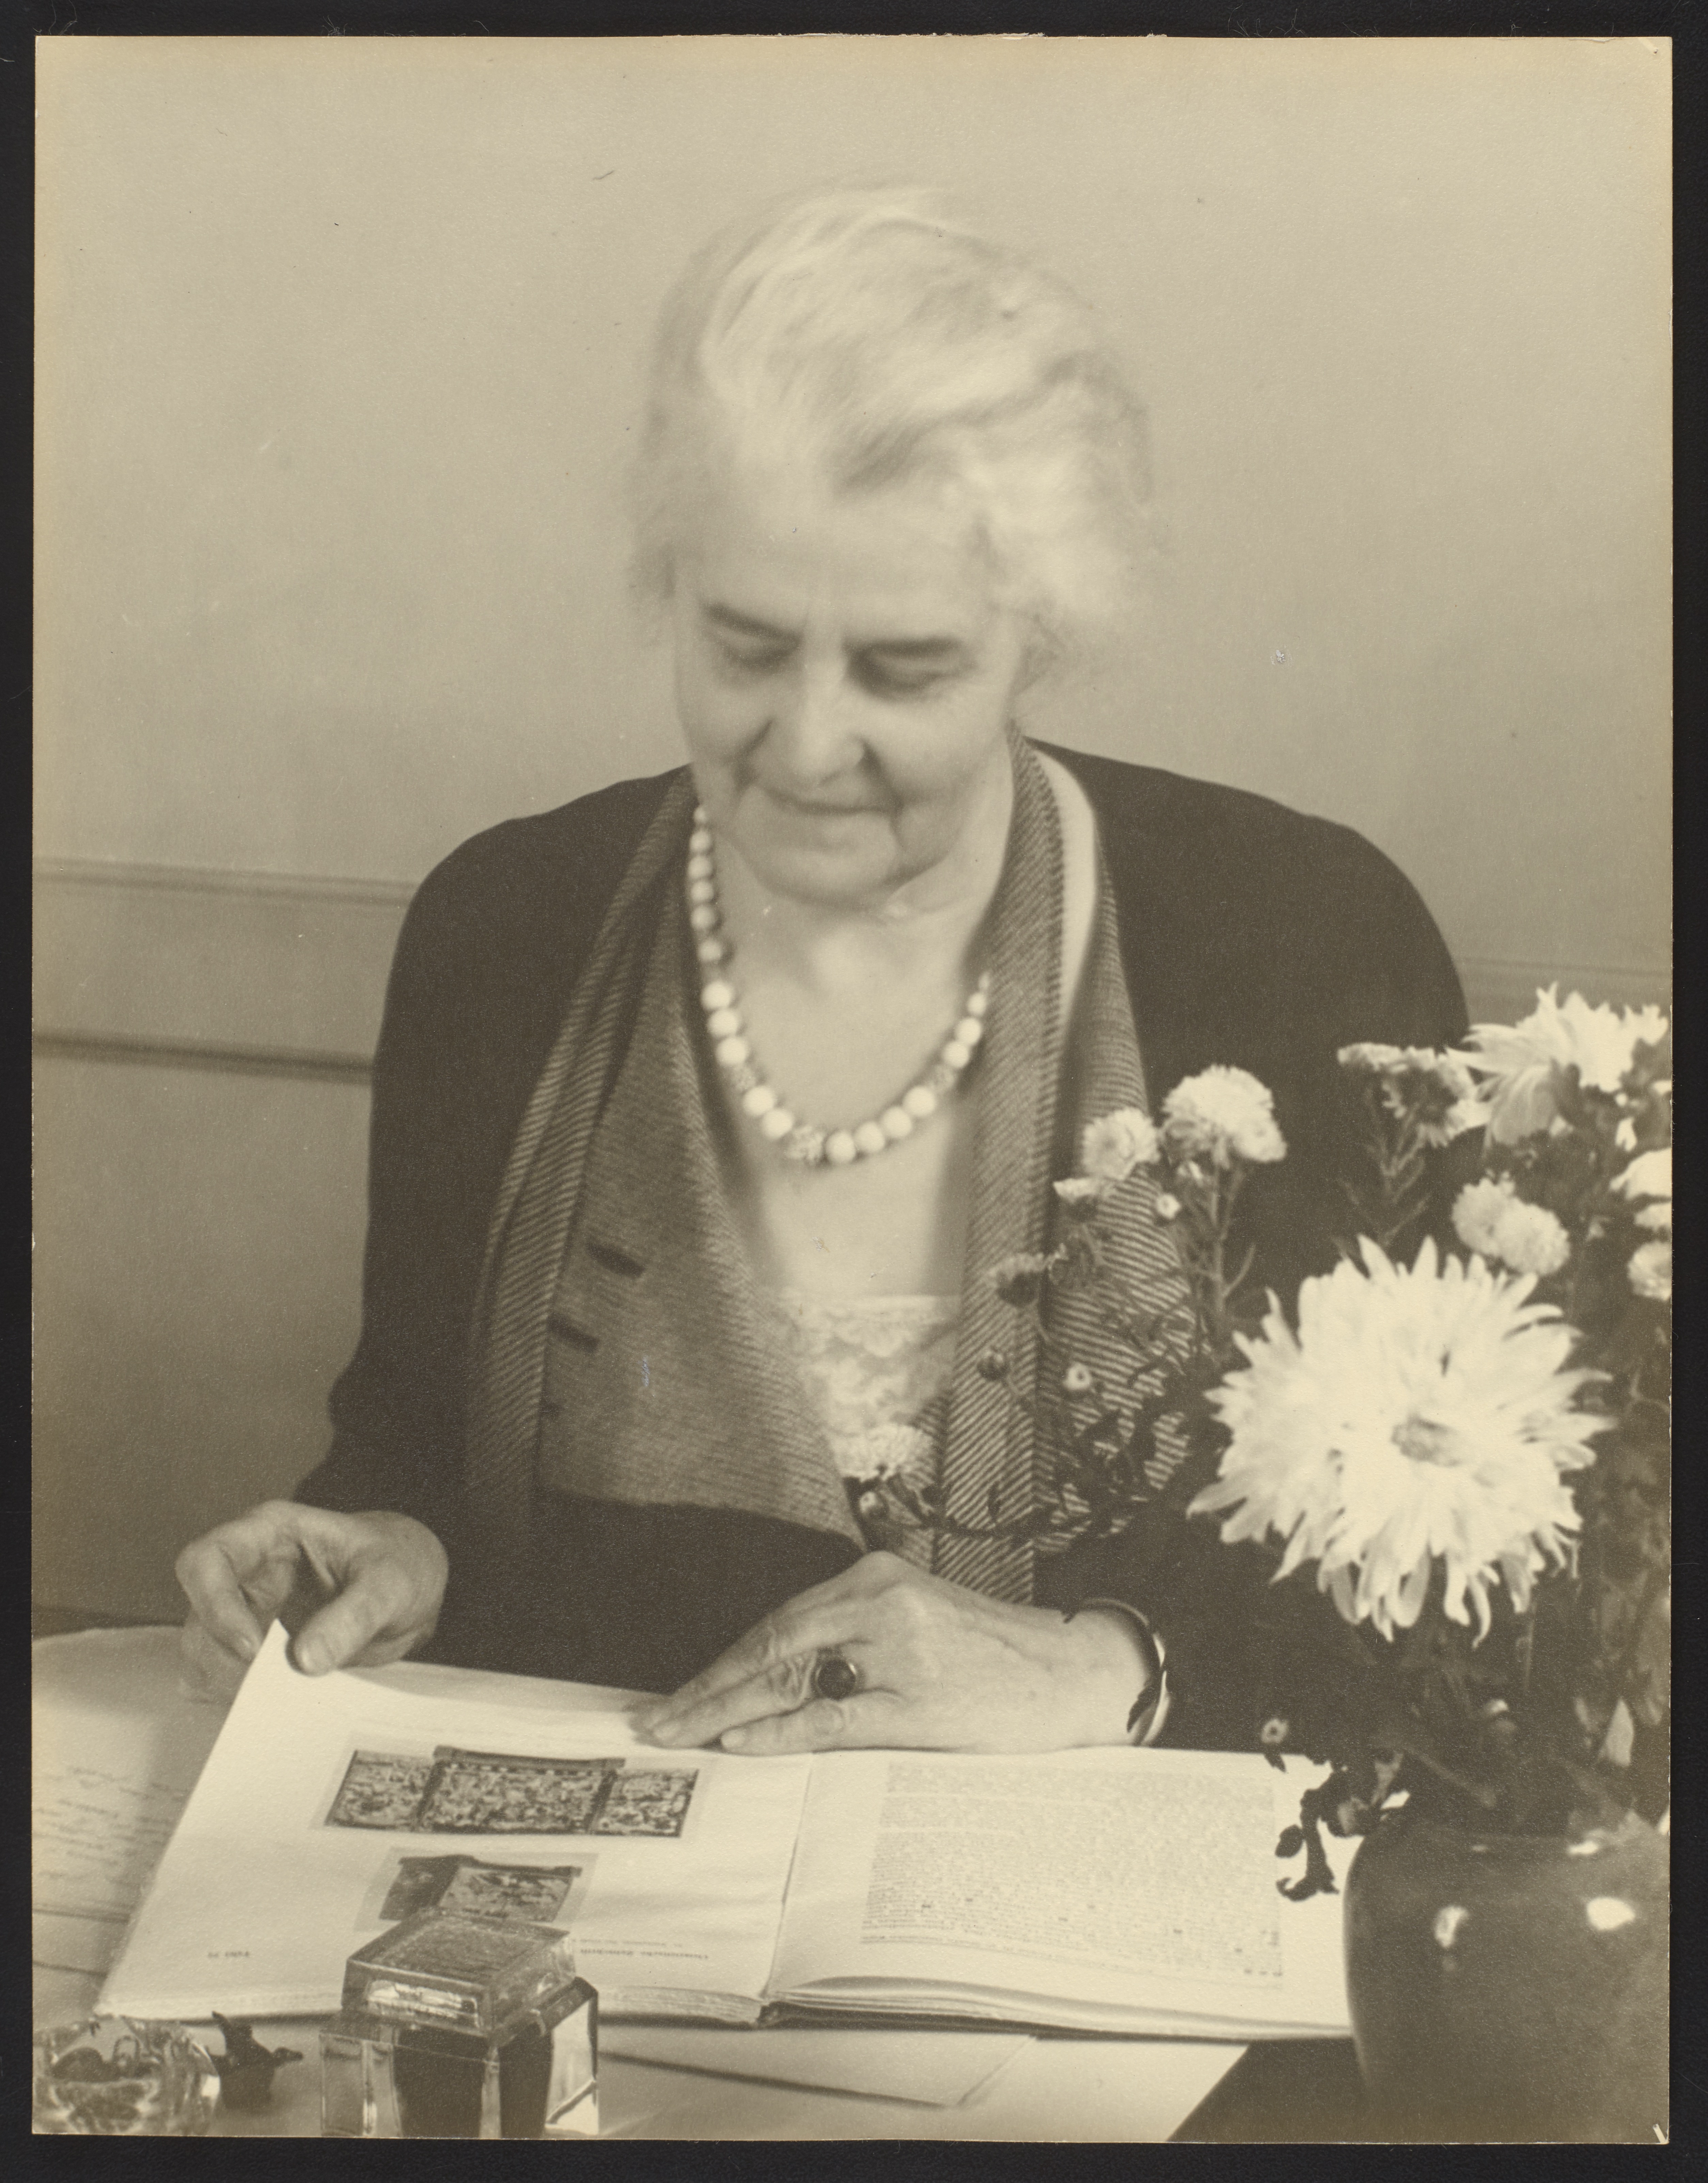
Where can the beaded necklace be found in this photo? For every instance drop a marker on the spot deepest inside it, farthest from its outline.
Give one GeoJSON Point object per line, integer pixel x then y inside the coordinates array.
{"type": "Point", "coordinates": [798, 1140]}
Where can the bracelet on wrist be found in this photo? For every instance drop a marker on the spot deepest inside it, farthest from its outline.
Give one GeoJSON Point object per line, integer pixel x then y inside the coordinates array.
{"type": "Point", "coordinates": [1150, 1709]}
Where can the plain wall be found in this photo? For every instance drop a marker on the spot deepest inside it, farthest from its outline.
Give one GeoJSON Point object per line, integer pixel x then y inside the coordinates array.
{"type": "Point", "coordinates": [340, 347]}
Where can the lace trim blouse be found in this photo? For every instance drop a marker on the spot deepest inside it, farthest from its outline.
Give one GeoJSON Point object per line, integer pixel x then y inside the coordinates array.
{"type": "Point", "coordinates": [877, 1370]}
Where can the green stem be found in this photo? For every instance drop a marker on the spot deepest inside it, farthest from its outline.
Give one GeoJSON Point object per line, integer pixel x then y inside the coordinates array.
{"type": "Point", "coordinates": [1478, 1795]}
{"type": "Point", "coordinates": [1658, 1580]}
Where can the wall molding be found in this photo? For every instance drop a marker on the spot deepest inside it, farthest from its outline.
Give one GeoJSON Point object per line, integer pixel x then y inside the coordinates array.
{"type": "Point", "coordinates": [282, 975]}
{"type": "Point", "coordinates": [199, 879]}
{"type": "Point", "coordinates": [259, 971]}
{"type": "Point", "coordinates": [1499, 989]}
{"type": "Point", "coordinates": [184, 1053]}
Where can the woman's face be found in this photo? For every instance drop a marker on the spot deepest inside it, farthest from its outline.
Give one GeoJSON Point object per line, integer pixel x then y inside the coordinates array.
{"type": "Point", "coordinates": [845, 677]}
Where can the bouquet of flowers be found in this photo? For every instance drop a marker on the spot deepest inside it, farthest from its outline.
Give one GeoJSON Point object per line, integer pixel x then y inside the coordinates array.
{"type": "Point", "coordinates": [1451, 1452]}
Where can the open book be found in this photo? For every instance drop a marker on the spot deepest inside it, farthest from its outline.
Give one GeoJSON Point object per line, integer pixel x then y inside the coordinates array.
{"type": "Point", "coordinates": [1110, 1891]}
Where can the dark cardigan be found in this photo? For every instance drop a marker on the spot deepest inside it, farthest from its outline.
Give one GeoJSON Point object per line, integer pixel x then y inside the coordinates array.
{"type": "Point", "coordinates": [1251, 935]}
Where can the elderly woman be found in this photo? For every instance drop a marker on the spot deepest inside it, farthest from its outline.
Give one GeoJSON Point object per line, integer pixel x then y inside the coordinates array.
{"type": "Point", "coordinates": [704, 1105]}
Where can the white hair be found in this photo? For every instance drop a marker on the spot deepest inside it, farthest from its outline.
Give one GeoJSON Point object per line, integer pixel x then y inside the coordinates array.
{"type": "Point", "coordinates": [869, 335]}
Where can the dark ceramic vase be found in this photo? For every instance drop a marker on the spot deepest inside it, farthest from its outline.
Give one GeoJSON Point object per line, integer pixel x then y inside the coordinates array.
{"type": "Point", "coordinates": [1510, 1988]}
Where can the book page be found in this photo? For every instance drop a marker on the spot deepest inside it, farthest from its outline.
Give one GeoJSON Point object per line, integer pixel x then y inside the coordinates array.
{"type": "Point", "coordinates": [333, 1807]}
{"type": "Point", "coordinates": [97, 1832]}
{"type": "Point", "coordinates": [1084, 1886]}
{"type": "Point", "coordinates": [108, 1779]}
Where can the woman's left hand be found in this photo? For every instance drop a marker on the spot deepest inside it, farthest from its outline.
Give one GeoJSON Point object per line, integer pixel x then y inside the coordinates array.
{"type": "Point", "coordinates": [940, 1668]}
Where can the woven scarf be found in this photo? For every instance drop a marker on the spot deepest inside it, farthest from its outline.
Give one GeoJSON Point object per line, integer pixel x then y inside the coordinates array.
{"type": "Point", "coordinates": [617, 1297]}
{"type": "Point", "coordinates": [1041, 1090]}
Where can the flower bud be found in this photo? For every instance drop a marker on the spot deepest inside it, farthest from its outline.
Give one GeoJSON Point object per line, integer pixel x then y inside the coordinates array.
{"type": "Point", "coordinates": [1019, 1277]}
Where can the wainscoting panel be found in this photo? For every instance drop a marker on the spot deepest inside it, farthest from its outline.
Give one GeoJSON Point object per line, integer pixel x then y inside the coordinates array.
{"type": "Point", "coordinates": [223, 963]}
{"type": "Point", "coordinates": [203, 1043]}
{"type": "Point", "coordinates": [198, 1279]}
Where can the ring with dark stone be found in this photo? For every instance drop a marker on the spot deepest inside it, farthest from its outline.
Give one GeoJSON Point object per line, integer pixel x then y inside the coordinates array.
{"type": "Point", "coordinates": [835, 1676]}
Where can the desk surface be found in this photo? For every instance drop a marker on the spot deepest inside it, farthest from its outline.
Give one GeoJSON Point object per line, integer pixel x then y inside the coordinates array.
{"type": "Point", "coordinates": [115, 1694]}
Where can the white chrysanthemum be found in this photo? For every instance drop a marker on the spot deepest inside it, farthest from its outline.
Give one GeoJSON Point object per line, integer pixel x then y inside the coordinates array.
{"type": "Point", "coordinates": [896, 1450]}
{"type": "Point", "coordinates": [1522, 1066]}
{"type": "Point", "coordinates": [1532, 1240]}
{"type": "Point", "coordinates": [1490, 1217]}
{"type": "Point", "coordinates": [1221, 1112]}
{"type": "Point", "coordinates": [1418, 1415]}
{"type": "Point", "coordinates": [1115, 1144]}
{"type": "Point", "coordinates": [1082, 1190]}
{"type": "Point", "coordinates": [1018, 1278]}
{"type": "Point", "coordinates": [1650, 1175]}
{"type": "Point", "coordinates": [1478, 1212]}
{"type": "Point", "coordinates": [1650, 1271]}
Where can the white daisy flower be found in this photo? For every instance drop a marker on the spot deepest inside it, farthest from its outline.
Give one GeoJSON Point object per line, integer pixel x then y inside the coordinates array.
{"type": "Point", "coordinates": [1447, 1069]}
{"type": "Point", "coordinates": [1435, 1085]}
{"type": "Point", "coordinates": [1522, 1066]}
{"type": "Point", "coordinates": [1650, 1271]}
{"type": "Point", "coordinates": [1221, 1112]}
{"type": "Point", "coordinates": [1650, 1175]}
{"type": "Point", "coordinates": [1419, 1415]}
{"type": "Point", "coordinates": [1115, 1144]}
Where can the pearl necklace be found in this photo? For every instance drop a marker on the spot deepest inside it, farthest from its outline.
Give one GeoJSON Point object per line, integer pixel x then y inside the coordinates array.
{"type": "Point", "coordinates": [797, 1140]}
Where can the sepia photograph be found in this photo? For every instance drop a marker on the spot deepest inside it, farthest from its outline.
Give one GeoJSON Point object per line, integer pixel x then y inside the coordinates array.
{"type": "Point", "coordinates": [852, 999]}
{"type": "Point", "coordinates": [379, 1789]}
{"type": "Point", "coordinates": [648, 1801]}
{"type": "Point", "coordinates": [532, 1893]}
{"type": "Point", "coordinates": [479, 1796]}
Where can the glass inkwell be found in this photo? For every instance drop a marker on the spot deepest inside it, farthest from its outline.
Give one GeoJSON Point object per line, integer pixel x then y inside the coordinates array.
{"type": "Point", "coordinates": [456, 2025]}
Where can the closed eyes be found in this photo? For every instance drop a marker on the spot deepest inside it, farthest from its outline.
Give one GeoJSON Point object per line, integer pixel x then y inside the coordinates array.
{"type": "Point", "coordinates": [905, 669]}
{"type": "Point", "coordinates": [885, 678]}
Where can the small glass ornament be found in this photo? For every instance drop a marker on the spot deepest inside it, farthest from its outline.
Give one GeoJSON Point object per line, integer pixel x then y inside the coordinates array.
{"type": "Point", "coordinates": [458, 2025]}
{"type": "Point", "coordinates": [110, 2077]}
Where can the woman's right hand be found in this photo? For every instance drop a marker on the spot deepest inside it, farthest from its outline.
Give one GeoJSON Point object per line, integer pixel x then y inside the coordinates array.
{"type": "Point", "coordinates": [357, 1590]}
